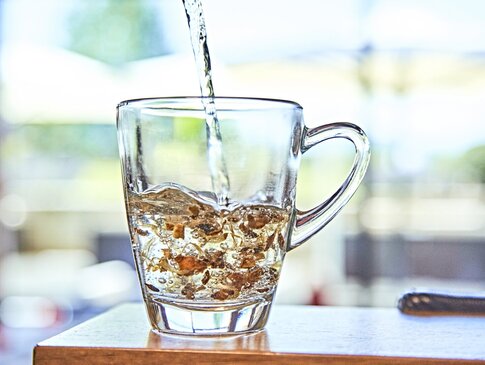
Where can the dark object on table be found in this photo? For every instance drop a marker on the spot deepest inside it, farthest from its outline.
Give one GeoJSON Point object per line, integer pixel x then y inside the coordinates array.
{"type": "Point", "coordinates": [428, 302]}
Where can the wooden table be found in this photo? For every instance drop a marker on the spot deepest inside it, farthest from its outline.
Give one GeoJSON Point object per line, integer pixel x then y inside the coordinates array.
{"type": "Point", "coordinates": [295, 335]}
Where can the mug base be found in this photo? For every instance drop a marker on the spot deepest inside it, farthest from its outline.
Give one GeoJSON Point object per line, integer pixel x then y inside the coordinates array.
{"type": "Point", "coordinates": [207, 319]}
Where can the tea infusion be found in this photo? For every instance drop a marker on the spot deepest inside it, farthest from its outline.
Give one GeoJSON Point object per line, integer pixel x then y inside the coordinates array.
{"type": "Point", "coordinates": [191, 248]}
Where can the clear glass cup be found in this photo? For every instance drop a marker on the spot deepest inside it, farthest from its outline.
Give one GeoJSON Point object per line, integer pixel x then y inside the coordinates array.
{"type": "Point", "coordinates": [209, 265]}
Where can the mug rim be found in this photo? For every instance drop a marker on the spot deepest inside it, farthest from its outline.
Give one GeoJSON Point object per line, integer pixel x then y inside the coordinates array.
{"type": "Point", "coordinates": [273, 102]}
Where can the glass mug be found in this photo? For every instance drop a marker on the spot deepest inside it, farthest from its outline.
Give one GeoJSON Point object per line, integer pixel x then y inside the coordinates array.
{"type": "Point", "coordinates": [206, 265]}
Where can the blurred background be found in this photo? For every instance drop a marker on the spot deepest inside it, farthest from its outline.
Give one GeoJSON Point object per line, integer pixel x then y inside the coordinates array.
{"type": "Point", "coordinates": [411, 73]}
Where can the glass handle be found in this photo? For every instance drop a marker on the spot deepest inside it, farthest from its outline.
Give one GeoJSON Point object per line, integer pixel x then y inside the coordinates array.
{"type": "Point", "coordinates": [311, 221]}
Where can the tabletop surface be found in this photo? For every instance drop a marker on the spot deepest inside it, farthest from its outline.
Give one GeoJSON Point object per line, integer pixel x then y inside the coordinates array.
{"type": "Point", "coordinates": [294, 335]}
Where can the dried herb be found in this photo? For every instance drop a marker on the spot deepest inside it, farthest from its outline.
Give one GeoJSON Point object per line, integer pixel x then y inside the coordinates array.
{"type": "Point", "coordinates": [210, 229]}
{"type": "Point", "coordinates": [257, 222]}
{"type": "Point", "coordinates": [254, 274]}
{"type": "Point", "coordinates": [247, 232]}
{"type": "Point", "coordinates": [281, 241]}
{"type": "Point", "coordinates": [178, 231]}
{"type": "Point", "coordinates": [248, 262]}
{"type": "Point", "coordinates": [189, 265]}
{"type": "Point", "coordinates": [215, 259]}
{"type": "Point", "coordinates": [167, 253]}
{"type": "Point", "coordinates": [223, 294]}
{"type": "Point", "coordinates": [141, 232]}
{"type": "Point", "coordinates": [270, 241]}
{"type": "Point", "coordinates": [161, 266]}
{"type": "Point", "coordinates": [206, 277]}
{"type": "Point", "coordinates": [193, 210]}
{"type": "Point", "coordinates": [169, 226]}
{"type": "Point", "coordinates": [189, 291]}
{"type": "Point", "coordinates": [152, 287]}
{"type": "Point", "coordinates": [236, 280]}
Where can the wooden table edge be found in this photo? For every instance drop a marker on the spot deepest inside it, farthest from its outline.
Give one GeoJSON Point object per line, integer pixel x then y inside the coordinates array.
{"type": "Point", "coordinates": [68, 355]}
